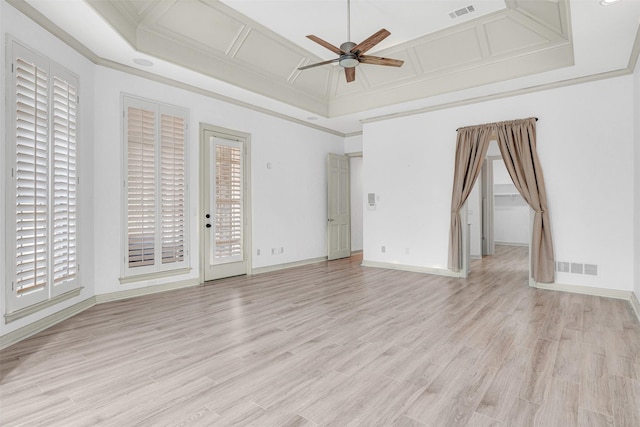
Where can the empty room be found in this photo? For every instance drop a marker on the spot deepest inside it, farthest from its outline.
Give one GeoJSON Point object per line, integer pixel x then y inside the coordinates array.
{"type": "Point", "coordinates": [314, 213]}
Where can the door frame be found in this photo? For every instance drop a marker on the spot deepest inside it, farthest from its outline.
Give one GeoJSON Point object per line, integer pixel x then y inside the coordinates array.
{"type": "Point", "coordinates": [233, 135]}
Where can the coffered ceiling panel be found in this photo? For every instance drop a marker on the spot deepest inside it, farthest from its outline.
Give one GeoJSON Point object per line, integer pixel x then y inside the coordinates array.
{"type": "Point", "coordinates": [551, 13]}
{"type": "Point", "coordinates": [505, 35]}
{"type": "Point", "coordinates": [200, 24]}
{"type": "Point", "coordinates": [450, 49]}
{"type": "Point", "coordinates": [314, 81]}
{"type": "Point", "coordinates": [269, 54]}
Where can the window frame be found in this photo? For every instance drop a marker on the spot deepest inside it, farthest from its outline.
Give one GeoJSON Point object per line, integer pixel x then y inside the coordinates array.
{"type": "Point", "coordinates": [158, 268]}
{"type": "Point", "coordinates": [19, 305]}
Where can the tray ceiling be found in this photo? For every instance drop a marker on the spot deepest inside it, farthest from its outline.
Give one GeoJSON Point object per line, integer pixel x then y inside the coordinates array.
{"type": "Point", "coordinates": [519, 38]}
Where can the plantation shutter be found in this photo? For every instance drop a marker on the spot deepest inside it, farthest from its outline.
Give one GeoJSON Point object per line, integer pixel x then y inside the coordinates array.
{"type": "Point", "coordinates": [172, 131]}
{"type": "Point", "coordinates": [141, 186]}
{"type": "Point", "coordinates": [31, 176]}
{"type": "Point", "coordinates": [228, 202]}
{"type": "Point", "coordinates": [156, 198]}
{"type": "Point", "coordinates": [64, 182]}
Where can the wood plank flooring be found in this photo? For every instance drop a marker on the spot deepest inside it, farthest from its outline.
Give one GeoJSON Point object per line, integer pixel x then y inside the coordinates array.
{"type": "Point", "coordinates": [336, 344]}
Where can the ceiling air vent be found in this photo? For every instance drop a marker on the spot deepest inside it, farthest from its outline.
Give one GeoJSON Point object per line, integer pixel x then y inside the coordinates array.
{"type": "Point", "coordinates": [462, 11]}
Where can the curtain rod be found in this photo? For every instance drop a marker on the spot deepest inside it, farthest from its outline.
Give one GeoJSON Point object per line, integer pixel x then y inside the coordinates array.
{"type": "Point", "coordinates": [493, 123]}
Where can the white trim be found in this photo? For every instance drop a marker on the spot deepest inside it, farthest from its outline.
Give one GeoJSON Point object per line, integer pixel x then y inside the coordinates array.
{"type": "Point", "coordinates": [277, 267]}
{"type": "Point", "coordinates": [586, 290]}
{"type": "Point", "coordinates": [413, 268]}
{"type": "Point", "coordinates": [34, 308]}
{"type": "Point", "coordinates": [154, 275]}
{"type": "Point", "coordinates": [45, 323]}
{"type": "Point", "coordinates": [635, 304]}
{"type": "Point", "coordinates": [512, 244]}
{"type": "Point", "coordinates": [356, 252]}
{"type": "Point", "coordinates": [147, 290]}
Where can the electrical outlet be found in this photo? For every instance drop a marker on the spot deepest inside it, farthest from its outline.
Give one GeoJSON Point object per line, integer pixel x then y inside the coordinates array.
{"type": "Point", "coordinates": [383, 249]}
{"type": "Point", "coordinates": [258, 252]}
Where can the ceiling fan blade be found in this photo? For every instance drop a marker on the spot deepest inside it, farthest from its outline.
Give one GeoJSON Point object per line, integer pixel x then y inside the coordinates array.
{"type": "Point", "coordinates": [350, 73]}
{"type": "Point", "coordinates": [328, 45]}
{"type": "Point", "coordinates": [317, 64]}
{"type": "Point", "coordinates": [371, 41]}
{"type": "Point", "coordinates": [378, 60]}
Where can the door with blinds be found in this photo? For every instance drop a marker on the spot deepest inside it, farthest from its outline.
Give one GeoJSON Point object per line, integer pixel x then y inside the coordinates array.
{"type": "Point", "coordinates": [225, 205]}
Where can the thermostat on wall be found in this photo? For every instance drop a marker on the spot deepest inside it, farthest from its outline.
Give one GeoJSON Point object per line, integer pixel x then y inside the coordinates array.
{"type": "Point", "coordinates": [371, 201]}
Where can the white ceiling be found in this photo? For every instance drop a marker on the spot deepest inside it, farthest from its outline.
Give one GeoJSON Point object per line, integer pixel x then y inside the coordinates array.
{"type": "Point", "coordinates": [600, 40]}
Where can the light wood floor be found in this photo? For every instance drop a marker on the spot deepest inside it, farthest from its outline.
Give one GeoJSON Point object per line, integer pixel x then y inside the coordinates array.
{"type": "Point", "coordinates": [336, 344]}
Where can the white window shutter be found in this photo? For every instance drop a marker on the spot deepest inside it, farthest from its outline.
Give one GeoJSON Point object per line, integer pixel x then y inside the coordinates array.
{"type": "Point", "coordinates": [31, 177]}
{"type": "Point", "coordinates": [172, 183]}
{"type": "Point", "coordinates": [64, 182]}
{"type": "Point", "coordinates": [141, 186]}
{"type": "Point", "coordinates": [156, 193]}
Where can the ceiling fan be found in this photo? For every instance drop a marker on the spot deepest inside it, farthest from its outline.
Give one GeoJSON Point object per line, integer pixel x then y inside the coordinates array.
{"type": "Point", "coordinates": [351, 54]}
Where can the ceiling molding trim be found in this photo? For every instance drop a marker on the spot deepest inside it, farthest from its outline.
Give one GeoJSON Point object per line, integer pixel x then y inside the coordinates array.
{"type": "Point", "coordinates": [30, 12]}
{"type": "Point", "coordinates": [349, 135]}
{"type": "Point", "coordinates": [501, 95]}
{"type": "Point", "coordinates": [635, 52]}
{"type": "Point", "coordinates": [210, 94]}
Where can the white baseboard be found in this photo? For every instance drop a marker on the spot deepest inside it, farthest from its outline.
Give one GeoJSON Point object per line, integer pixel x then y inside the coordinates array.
{"type": "Point", "coordinates": [44, 323]}
{"type": "Point", "coordinates": [147, 290]}
{"type": "Point", "coordinates": [277, 267]}
{"type": "Point", "coordinates": [511, 244]}
{"type": "Point", "coordinates": [635, 304]}
{"type": "Point", "coordinates": [412, 268]}
{"type": "Point", "coordinates": [586, 290]}
{"type": "Point", "coordinates": [356, 252]}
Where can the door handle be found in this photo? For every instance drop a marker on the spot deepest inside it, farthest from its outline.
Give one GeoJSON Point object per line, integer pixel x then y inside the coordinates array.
{"type": "Point", "coordinates": [331, 219]}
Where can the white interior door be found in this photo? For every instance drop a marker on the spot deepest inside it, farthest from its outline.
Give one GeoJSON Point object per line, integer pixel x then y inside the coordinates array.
{"type": "Point", "coordinates": [225, 204]}
{"type": "Point", "coordinates": [338, 207]}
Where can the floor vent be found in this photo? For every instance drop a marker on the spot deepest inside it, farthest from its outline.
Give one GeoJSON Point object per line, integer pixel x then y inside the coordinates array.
{"type": "Point", "coordinates": [577, 268]}
{"type": "Point", "coordinates": [591, 269]}
{"type": "Point", "coordinates": [563, 267]}
{"type": "Point", "coordinates": [462, 11]}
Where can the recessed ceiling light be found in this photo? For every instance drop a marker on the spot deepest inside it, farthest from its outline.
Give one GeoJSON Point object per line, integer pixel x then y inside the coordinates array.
{"type": "Point", "coordinates": [143, 62]}
{"type": "Point", "coordinates": [608, 2]}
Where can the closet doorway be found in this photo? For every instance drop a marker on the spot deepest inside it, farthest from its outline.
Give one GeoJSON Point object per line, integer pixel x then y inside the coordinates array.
{"type": "Point", "coordinates": [499, 220]}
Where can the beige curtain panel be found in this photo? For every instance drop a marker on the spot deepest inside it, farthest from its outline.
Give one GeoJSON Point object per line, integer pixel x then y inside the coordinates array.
{"type": "Point", "coordinates": [517, 143]}
{"type": "Point", "coordinates": [471, 150]}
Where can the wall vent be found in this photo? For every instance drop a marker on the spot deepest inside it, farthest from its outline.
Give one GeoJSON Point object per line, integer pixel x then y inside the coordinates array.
{"type": "Point", "coordinates": [563, 267]}
{"type": "Point", "coordinates": [577, 268]}
{"type": "Point", "coordinates": [591, 269]}
{"type": "Point", "coordinates": [463, 11]}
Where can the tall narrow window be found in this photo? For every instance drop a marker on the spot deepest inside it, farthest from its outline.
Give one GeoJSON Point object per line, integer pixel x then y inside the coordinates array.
{"type": "Point", "coordinates": [42, 246]}
{"type": "Point", "coordinates": [156, 198]}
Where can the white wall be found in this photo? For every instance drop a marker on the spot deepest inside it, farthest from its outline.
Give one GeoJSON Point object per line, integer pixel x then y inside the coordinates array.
{"type": "Point", "coordinates": [511, 212]}
{"type": "Point", "coordinates": [353, 145]}
{"type": "Point", "coordinates": [357, 202]}
{"type": "Point", "coordinates": [585, 144]}
{"type": "Point", "coordinates": [24, 30]}
{"type": "Point", "coordinates": [288, 200]}
{"type": "Point", "coordinates": [636, 188]}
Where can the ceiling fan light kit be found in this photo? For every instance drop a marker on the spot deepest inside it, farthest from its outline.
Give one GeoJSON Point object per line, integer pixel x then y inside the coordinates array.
{"type": "Point", "coordinates": [351, 54]}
